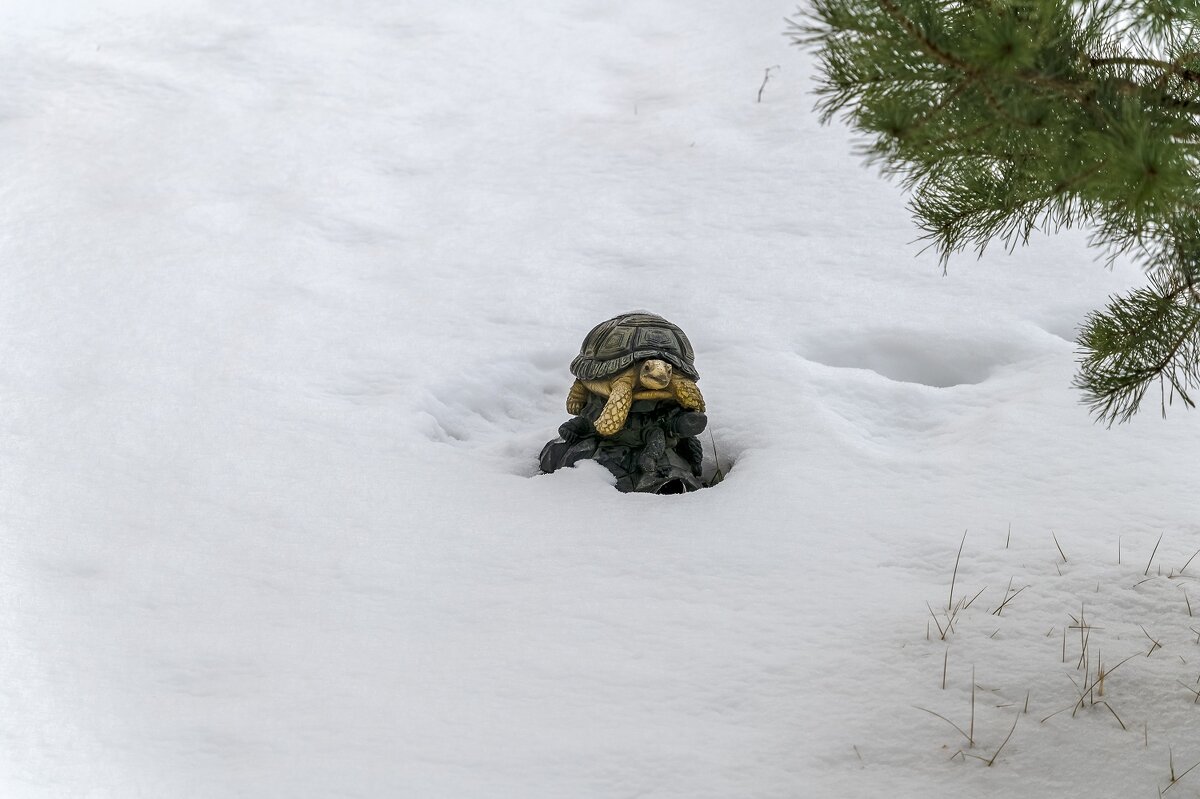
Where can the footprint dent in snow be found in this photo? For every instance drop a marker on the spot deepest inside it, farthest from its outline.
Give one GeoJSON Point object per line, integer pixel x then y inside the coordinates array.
{"type": "Point", "coordinates": [491, 402]}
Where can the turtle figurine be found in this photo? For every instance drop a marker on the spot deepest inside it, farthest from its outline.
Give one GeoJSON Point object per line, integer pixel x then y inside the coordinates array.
{"type": "Point", "coordinates": [634, 356]}
{"type": "Point", "coordinates": [635, 405]}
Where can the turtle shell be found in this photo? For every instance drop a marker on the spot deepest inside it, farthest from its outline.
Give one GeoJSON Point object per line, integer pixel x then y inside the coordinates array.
{"type": "Point", "coordinates": [615, 344]}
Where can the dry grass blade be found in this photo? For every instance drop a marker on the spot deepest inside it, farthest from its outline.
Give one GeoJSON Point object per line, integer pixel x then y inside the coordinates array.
{"type": "Point", "coordinates": [941, 631]}
{"type": "Point", "coordinates": [1189, 560]}
{"type": "Point", "coordinates": [1100, 677]}
{"type": "Point", "coordinates": [1084, 652]}
{"type": "Point", "coordinates": [948, 721]}
{"type": "Point", "coordinates": [1005, 741]}
{"type": "Point", "coordinates": [1153, 643]}
{"type": "Point", "coordinates": [1175, 779]}
{"type": "Point", "coordinates": [1008, 599]}
{"type": "Point", "coordinates": [1060, 551]}
{"type": "Point", "coordinates": [1055, 713]}
{"type": "Point", "coordinates": [1192, 690]}
{"type": "Point", "coordinates": [971, 737]}
{"type": "Point", "coordinates": [972, 599]}
{"type": "Point", "coordinates": [1152, 554]}
{"type": "Point", "coordinates": [719, 473]}
{"type": "Point", "coordinates": [1115, 716]}
{"type": "Point", "coordinates": [954, 576]}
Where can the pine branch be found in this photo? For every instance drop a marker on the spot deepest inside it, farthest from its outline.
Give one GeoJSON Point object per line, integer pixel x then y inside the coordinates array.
{"type": "Point", "coordinates": [921, 39]}
{"type": "Point", "coordinates": [1002, 119]}
{"type": "Point", "coordinates": [1166, 66]}
{"type": "Point", "coordinates": [1149, 335]}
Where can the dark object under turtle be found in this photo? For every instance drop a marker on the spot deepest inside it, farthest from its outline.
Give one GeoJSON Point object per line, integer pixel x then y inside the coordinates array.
{"type": "Point", "coordinates": [637, 408]}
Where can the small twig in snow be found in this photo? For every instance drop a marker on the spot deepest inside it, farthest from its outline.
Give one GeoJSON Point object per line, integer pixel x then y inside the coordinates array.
{"type": "Point", "coordinates": [766, 77]}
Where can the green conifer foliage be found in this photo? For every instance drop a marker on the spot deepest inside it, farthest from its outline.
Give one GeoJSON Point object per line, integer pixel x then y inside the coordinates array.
{"type": "Point", "coordinates": [1002, 117]}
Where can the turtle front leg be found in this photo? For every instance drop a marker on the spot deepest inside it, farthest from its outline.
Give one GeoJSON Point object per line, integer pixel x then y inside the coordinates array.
{"type": "Point", "coordinates": [576, 397]}
{"type": "Point", "coordinates": [616, 410]}
{"type": "Point", "coordinates": [687, 393]}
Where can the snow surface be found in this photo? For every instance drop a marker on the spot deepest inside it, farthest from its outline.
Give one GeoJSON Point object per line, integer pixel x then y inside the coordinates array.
{"type": "Point", "coordinates": [287, 297]}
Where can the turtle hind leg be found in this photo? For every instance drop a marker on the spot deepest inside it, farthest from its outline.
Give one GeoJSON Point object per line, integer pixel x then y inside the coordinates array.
{"type": "Point", "coordinates": [653, 450]}
{"type": "Point", "coordinates": [692, 451]}
{"type": "Point", "coordinates": [576, 397]}
{"type": "Point", "coordinates": [687, 393]}
{"type": "Point", "coordinates": [616, 410]}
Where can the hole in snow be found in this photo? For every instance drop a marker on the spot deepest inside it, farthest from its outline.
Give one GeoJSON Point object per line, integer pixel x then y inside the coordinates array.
{"type": "Point", "coordinates": [915, 357]}
{"type": "Point", "coordinates": [672, 487]}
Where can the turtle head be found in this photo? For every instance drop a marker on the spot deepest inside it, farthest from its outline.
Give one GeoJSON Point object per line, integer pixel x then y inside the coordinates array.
{"type": "Point", "coordinates": [655, 374]}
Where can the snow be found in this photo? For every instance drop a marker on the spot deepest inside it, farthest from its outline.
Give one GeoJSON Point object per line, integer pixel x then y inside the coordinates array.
{"type": "Point", "coordinates": [287, 297]}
